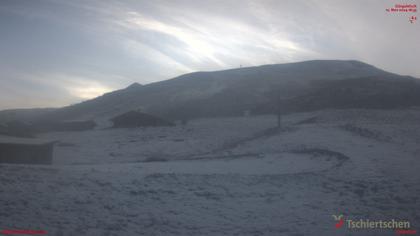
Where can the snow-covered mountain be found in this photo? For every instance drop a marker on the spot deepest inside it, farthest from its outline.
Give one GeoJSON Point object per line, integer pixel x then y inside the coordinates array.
{"type": "Point", "coordinates": [301, 86]}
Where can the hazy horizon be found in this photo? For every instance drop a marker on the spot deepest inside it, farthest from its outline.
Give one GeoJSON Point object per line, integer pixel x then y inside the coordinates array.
{"type": "Point", "coordinates": [56, 53]}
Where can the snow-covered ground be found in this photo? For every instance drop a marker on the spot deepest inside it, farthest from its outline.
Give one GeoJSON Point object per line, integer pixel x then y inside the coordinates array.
{"type": "Point", "coordinates": [224, 176]}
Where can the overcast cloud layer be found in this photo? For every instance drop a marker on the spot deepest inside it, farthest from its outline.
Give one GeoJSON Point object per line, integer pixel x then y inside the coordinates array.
{"type": "Point", "coordinates": [54, 53]}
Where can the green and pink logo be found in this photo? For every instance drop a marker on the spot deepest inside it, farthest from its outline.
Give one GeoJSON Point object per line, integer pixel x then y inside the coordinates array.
{"type": "Point", "coordinates": [340, 221]}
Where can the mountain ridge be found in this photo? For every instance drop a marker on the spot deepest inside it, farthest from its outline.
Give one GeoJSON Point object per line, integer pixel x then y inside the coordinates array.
{"type": "Point", "coordinates": [229, 92]}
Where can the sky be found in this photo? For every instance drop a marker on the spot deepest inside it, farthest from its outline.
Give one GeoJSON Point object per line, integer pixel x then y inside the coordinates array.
{"type": "Point", "coordinates": [56, 53]}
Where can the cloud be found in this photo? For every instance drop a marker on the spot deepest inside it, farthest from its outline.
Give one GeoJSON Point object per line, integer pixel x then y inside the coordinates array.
{"type": "Point", "coordinates": [83, 49]}
{"type": "Point", "coordinates": [81, 87]}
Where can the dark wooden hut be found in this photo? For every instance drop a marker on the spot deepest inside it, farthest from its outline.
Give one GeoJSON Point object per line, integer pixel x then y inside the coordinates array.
{"type": "Point", "coordinates": [25, 151]}
{"type": "Point", "coordinates": [17, 129]}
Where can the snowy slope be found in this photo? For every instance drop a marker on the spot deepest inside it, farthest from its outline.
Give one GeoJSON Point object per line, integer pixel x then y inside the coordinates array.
{"type": "Point", "coordinates": [224, 176]}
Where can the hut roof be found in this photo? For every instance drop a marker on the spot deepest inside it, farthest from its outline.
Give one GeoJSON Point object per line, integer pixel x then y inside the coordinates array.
{"type": "Point", "coordinates": [29, 141]}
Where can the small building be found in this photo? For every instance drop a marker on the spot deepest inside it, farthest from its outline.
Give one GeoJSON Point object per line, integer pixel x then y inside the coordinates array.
{"type": "Point", "coordinates": [17, 128]}
{"type": "Point", "coordinates": [25, 150]}
{"type": "Point", "coordinates": [138, 119]}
